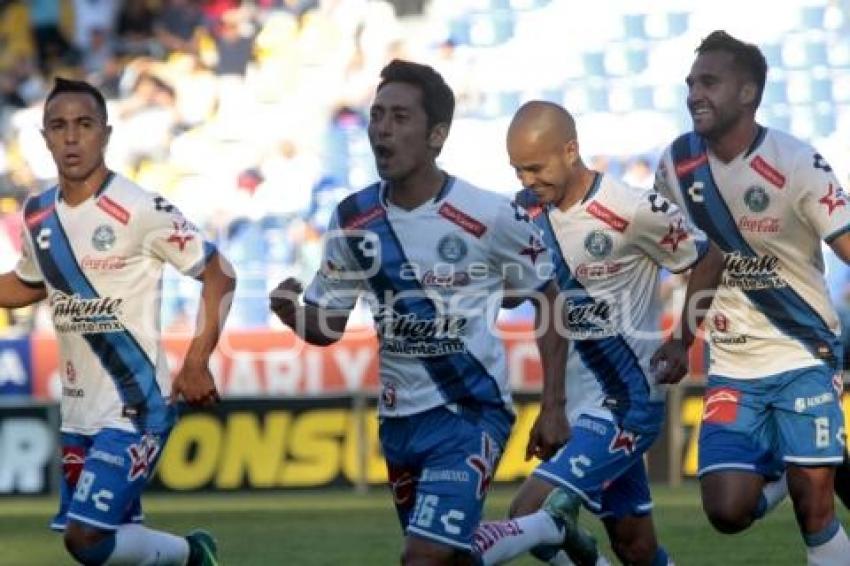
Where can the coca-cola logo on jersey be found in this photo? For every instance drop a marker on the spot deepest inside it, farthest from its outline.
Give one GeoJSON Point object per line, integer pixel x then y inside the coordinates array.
{"type": "Point", "coordinates": [433, 279]}
{"type": "Point", "coordinates": [587, 319]}
{"type": "Point", "coordinates": [767, 225]}
{"type": "Point", "coordinates": [752, 272]}
{"type": "Point", "coordinates": [108, 263]}
{"type": "Point", "coordinates": [74, 314]}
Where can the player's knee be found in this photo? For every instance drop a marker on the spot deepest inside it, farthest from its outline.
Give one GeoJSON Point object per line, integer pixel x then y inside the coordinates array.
{"type": "Point", "coordinates": [90, 547]}
{"type": "Point", "coordinates": [727, 517]}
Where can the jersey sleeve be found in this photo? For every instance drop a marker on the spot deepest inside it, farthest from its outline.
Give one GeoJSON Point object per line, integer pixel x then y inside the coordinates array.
{"type": "Point", "coordinates": [518, 251]}
{"type": "Point", "coordinates": [823, 202]}
{"type": "Point", "coordinates": [663, 184]}
{"type": "Point", "coordinates": [665, 234]}
{"type": "Point", "coordinates": [171, 238]}
{"type": "Point", "coordinates": [27, 268]}
{"type": "Point", "coordinates": [340, 279]}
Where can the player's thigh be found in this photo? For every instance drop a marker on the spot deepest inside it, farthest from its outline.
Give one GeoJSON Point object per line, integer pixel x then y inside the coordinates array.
{"type": "Point", "coordinates": [116, 469]}
{"type": "Point", "coordinates": [628, 494]}
{"type": "Point", "coordinates": [420, 551]}
{"type": "Point", "coordinates": [809, 418]}
{"type": "Point", "coordinates": [598, 452]}
{"type": "Point", "coordinates": [447, 462]}
{"type": "Point", "coordinates": [737, 431]}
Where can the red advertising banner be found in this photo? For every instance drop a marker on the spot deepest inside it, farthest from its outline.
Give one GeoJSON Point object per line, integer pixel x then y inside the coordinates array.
{"type": "Point", "coordinates": [276, 363]}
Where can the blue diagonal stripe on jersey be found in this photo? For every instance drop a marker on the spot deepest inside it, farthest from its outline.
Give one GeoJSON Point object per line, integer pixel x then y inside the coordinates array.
{"type": "Point", "coordinates": [610, 358]}
{"type": "Point", "coordinates": [119, 352]}
{"type": "Point", "coordinates": [783, 306]}
{"type": "Point", "coordinates": [461, 377]}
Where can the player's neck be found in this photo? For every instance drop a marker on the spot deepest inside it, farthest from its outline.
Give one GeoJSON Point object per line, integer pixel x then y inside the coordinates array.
{"type": "Point", "coordinates": [734, 142]}
{"type": "Point", "coordinates": [75, 191]}
{"type": "Point", "coordinates": [416, 189]}
{"type": "Point", "coordinates": [578, 188]}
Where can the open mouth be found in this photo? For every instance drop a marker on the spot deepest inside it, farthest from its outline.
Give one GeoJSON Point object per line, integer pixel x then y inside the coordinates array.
{"type": "Point", "coordinates": [383, 153]}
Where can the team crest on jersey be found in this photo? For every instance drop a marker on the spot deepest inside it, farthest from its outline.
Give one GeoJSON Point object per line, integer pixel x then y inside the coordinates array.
{"type": "Point", "coordinates": [756, 199]}
{"type": "Point", "coordinates": [452, 248]}
{"type": "Point", "coordinates": [598, 244]}
{"type": "Point", "coordinates": [103, 238]}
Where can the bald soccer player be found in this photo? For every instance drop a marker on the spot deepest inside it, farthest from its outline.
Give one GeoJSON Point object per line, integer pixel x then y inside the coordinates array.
{"type": "Point", "coordinates": [608, 241]}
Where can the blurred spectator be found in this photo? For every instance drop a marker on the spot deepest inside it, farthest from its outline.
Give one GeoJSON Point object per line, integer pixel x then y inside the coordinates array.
{"type": "Point", "coordinates": [639, 173]}
{"type": "Point", "coordinates": [177, 25]}
{"type": "Point", "coordinates": [51, 44]}
{"type": "Point", "coordinates": [94, 21]}
{"type": "Point", "coordinates": [234, 43]}
{"type": "Point", "coordinates": [134, 29]}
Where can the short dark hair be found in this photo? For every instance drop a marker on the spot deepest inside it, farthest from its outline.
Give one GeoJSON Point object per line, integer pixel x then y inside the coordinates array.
{"type": "Point", "coordinates": [746, 56]}
{"type": "Point", "coordinates": [62, 86]}
{"type": "Point", "coordinates": [437, 97]}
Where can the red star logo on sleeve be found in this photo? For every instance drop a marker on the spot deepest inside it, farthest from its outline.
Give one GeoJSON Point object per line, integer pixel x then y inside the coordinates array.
{"type": "Point", "coordinates": [675, 234]}
{"type": "Point", "coordinates": [833, 202]}
{"type": "Point", "coordinates": [533, 249]}
{"type": "Point", "coordinates": [180, 237]}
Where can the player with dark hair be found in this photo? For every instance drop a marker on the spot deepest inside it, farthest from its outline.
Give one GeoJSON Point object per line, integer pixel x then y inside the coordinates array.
{"type": "Point", "coordinates": [94, 246]}
{"type": "Point", "coordinates": [433, 256]}
{"type": "Point", "coordinates": [772, 401]}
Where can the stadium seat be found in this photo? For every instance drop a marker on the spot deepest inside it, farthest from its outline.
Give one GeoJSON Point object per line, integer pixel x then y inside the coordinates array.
{"type": "Point", "coordinates": [597, 98]}
{"type": "Point", "coordinates": [489, 29]}
{"type": "Point", "coordinates": [821, 88]}
{"type": "Point", "coordinates": [841, 86]}
{"type": "Point", "coordinates": [838, 54]}
{"type": "Point", "coordinates": [594, 63]}
{"type": "Point", "coordinates": [816, 54]}
{"type": "Point", "coordinates": [634, 26]}
{"type": "Point", "coordinates": [825, 120]}
{"type": "Point", "coordinates": [642, 97]}
{"type": "Point", "coordinates": [775, 92]}
{"type": "Point", "coordinates": [812, 17]}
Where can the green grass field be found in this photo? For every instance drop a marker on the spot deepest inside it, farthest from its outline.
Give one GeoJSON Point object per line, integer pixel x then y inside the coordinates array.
{"type": "Point", "coordinates": [343, 528]}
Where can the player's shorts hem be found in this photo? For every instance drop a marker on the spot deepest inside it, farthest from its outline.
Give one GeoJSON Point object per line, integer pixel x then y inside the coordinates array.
{"type": "Point", "coordinates": [637, 511]}
{"type": "Point", "coordinates": [727, 466]}
{"type": "Point", "coordinates": [92, 522]}
{"type": "Point", "coordinates": [592, 505]}
{"type": "Point", "coordinates": [803, 461]}
{"type": "Point", "coordinates": [440, 539]}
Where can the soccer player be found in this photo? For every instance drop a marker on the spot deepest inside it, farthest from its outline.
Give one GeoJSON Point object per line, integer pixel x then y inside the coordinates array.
{"type": "Point", "coordinates": [94, 247]}
{"type": "Point", "coordinates": [773, 393]}
{"type": "Point", "coordinates": [609, 240]}
{"type": "Point", "coordinates": [433, 256]}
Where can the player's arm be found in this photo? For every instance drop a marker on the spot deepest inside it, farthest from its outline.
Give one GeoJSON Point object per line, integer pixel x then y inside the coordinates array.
{"type": "Point", "coordinates": [312, 323]}
{"type": "Point", "coordinates": [551, 429]}
{"type": "Point", "coordinates": [194, 382]}
{"type": "Point", "coordinates": [17, 293]}
{"type": "Point", "coordinates": [671, 360]}
{"type": "Point", "coordinates": [841, 246]}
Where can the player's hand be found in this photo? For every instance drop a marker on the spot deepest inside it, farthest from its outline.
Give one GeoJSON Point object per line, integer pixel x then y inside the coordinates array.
{"type": "Point", "coordinates": [669, 364]}
{"type": "Point", "coordinates": [195, 385]}
{"type": "Point", "coordinates": [283, 300]}
{"type": "Point", "coordinates": [549, 432]}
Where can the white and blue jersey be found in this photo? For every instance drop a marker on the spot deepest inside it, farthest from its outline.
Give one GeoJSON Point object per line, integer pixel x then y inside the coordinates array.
{"type": "Point", "coordinates": [101, 262]}
{"type": "Point", "coordinates": [608, 250]}
{"type": "Point", "coordinates": [434, 278]}
{"type": "Point", "coordinates": [768, 210]}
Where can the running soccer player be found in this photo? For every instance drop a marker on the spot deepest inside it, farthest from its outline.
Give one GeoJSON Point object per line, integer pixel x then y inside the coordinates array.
{"type": "Point", "coordinates": [433, 255]}
{"type": "Point", "coordinates": [609, 241]}
{"type": "Point", "coordinates": [94, 247]}
{"type": "Point", "coordinates": [773, 394]}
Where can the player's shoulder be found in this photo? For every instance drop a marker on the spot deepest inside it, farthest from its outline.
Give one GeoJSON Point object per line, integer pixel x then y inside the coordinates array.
{"type": "Point", "coordinates": [483, 205]}
{"type": "Point", "coordinates": [617, 196]}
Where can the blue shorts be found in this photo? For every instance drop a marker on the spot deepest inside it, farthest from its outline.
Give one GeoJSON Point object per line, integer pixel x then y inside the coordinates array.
{"type": "Point", "coordinates": [103, 476]}
{"type": "Point", "coordinates": [759, 425]}
{"type": "Point", "coordinates": [603, 464]}
{"type": "Point", "coordinates": [441, 463]}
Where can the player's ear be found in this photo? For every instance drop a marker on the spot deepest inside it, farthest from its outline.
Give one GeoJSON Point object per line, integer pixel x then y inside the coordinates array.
{"type": "Point", "coordinates": [571, 151]}
{"type": "Point", "coordinates": [748, 93]}
{"type": "Point", "coordinates": [437, 136]}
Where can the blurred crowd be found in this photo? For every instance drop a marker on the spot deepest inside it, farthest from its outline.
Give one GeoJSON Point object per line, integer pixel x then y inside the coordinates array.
{"type": "Point", "coordinates": [250, 115]}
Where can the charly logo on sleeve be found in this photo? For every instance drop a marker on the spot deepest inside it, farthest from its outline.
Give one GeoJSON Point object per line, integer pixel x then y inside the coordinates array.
{"type": "Point", "coordinates": [73, 314]}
